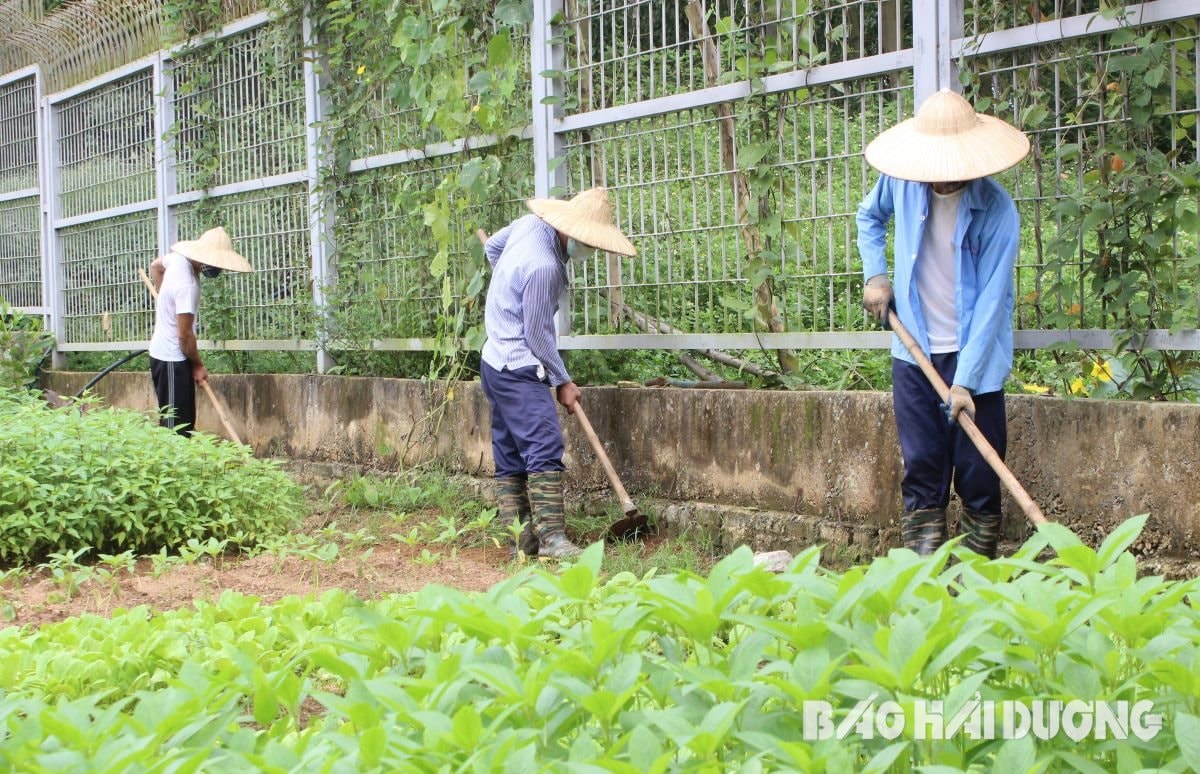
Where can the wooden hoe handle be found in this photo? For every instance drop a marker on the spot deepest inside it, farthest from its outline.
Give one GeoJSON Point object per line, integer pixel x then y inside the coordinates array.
{"type": "Point", "coordinates": [149, 285]}
{"type": "Point", "coordinates": [220, 407]}
{"type": "Point", "coordinates": [1031, 509]}
{"type": "Point", "coordinates": [626, 504]}
{"type": "Point", "coordinates": [212, 396]}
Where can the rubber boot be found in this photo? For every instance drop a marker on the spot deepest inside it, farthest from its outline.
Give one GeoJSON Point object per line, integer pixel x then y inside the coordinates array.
{"type": "Point", "coordinates": [924, 531]}
{"type": "Point", "coordinates": [513, 498]}
{"type": "Point", "coordinates": [980, 531]}
{"type": "Point", "coordinates": [549, 523]}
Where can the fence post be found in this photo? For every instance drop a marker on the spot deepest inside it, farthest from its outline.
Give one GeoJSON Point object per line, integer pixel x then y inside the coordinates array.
{"type": "Point", "coordinates": [44, 226]}
{"type": "Point", "coordinates": [320, 204]}
{"type": "Point", "coordinates": [52, 277]}
{"type": "Point", "coordinates": [549, 173]}
{"type": "Point", "coordinates": [952, 29]}
{"type": "Point", "coordinates": [936, 23]}
{"type": "Point", "coordinates": [164, 149]}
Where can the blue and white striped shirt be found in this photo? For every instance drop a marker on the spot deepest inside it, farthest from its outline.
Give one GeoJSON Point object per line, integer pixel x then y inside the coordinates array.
{"type": "Point", "coordinates": [529, 274]}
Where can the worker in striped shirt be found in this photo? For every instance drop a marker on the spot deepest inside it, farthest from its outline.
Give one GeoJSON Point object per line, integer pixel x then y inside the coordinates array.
{"type": "Point", "coordinates": [521, 360]}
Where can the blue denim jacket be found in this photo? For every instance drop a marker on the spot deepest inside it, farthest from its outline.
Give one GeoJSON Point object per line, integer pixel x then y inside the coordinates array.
{"type": "Point", "coordinates": [986, 241]}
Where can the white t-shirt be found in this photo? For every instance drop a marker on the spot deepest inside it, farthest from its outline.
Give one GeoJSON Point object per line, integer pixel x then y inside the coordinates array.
{"type": "Point", "coordinates": [179, 294]}
{"type": "Point", "coordinates": [936, 272]}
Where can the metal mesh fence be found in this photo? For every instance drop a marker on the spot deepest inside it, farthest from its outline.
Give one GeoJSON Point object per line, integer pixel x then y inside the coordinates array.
{"type": "Point", "coordinates": [240, 115]}
{"type": "Point", "coordinates": [1085, 113]}
{"type": "Point", "coordinates": [104, 300]}
{"type": "Point", "coordinates": [676, 196]}
{"type": "Point", "coordinates": [74, 41]}
{"type": "Point", "coordinates": [383, 259]}
{"type": "Point", "coordinates": [270, 228]}
{"type": "Point", "coordinates": [984, 16]}
{"type": "Point", "coordinates": [625, 51]}
{"type": "Point", "coordinates": [384, 123]}
{"type": "Point", "coordinates": [18, 135]}
{"type": "Point", "coordinates": [813, 88]}
{"type": "Point", "coordinates": [106, 146]}
{"type": "Point", "coordinates": [675, 201]}
{"type": "Point", "coordinates": [820, 178]}
{"type": "Point", "coordinates": [21, 253]}
{"type": "Point", "coordinates": [385, 287]}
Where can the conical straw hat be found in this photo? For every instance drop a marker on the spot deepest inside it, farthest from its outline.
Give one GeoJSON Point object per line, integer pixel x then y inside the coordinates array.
{"type": "Point", "coordinates": [947, 142]}
{"type": "Point", "coordinates": [213, 248]}
{"type": "Point", "coordinates": [588, 218]}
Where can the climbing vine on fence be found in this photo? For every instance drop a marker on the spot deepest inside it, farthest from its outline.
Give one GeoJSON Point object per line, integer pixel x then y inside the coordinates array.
{"type": "Point", "coordinates": [396, 76]}
{"type": "Point", "coordinates": [402, 76]}
{"type": "Point", "coordinates": [1136, 208]}
{"type": "Point", "coordinates": [419, 76]}
{"type": "Point", "coordinates": [1123, 255]}
{"type": "Point", "coordinates": [234, 124]}
{"type": "Point", "coordinates": [193, 133]}
{"type": "Point", "coordinates": [1112, 187]}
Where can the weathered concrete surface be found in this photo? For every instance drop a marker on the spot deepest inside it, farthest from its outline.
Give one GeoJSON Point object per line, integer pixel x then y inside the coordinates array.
{"type": "Point", "coordinates": [817, 466]}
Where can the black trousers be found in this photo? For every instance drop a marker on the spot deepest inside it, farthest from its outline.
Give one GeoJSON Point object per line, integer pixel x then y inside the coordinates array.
{"type": "Point", "coordinates": [936, 452]}
{"type": "Point", "coordinates": [176, 392]}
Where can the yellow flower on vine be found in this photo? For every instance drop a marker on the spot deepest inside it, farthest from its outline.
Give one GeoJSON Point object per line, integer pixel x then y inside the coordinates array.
{"type": "Point", "coordinates": [1102, 371]}
{"type": "Point", "coordinates": [1077, 387]}
{"type": "Point", "coordinates": [1036, 389]}
{"type": "Point", "coordinates": [361, 69]}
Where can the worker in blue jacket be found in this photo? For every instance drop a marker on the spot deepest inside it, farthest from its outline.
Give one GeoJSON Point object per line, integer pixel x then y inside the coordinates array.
{"type": "Point", "coordinates": [955, 244]}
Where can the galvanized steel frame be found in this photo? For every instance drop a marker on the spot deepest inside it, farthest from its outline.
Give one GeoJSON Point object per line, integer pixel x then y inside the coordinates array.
{"type": "Point", "coordinates": [938, 45]}
{"type": "Point", "coordinates": [34, 74]}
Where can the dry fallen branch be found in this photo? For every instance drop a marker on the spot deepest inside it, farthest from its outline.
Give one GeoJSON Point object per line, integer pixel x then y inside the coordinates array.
{"type": "Point", "coordinates": [764, 294]}
{"type": "Point", "coordinates": [651, 324]}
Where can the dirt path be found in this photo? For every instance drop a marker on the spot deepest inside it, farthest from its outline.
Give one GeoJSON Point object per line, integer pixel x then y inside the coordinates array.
{"type": "Point", "coordinates": [38, 600]}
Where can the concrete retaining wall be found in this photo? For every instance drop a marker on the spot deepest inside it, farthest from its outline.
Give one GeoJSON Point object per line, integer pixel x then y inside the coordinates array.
{"type": "Point", "coordinates": [830, 458]}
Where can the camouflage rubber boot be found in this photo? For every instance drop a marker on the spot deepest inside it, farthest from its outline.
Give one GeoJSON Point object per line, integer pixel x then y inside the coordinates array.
{"type": "Point", "coordinates": [513, 497]}
{"type": "Point", "coordinates": [546, 496]}
{"type": "Point", "coordinates": [924, 531]}
{"type": "Point", "coordinates": [981, 531]}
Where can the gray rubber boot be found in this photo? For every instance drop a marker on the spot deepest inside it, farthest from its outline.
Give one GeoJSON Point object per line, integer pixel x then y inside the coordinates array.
{"type": "Point", "coordinates": [513, 497]}
{"type": "Point", "coordinates": [549, 521]}
{"type": "Point", "coordinates": [981, 531]}
{"type": "Point", "coordinates": [924, 531]}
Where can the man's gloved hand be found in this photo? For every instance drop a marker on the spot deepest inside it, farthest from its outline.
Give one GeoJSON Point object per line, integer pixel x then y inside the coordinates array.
{"type": "Point", "coordinates": [960, 401]}
{"type": "Point", "coordinates": [877, 297]}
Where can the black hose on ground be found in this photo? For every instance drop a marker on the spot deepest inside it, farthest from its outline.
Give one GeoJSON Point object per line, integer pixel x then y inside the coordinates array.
{"type": "Point", "coordinates": [109, 370]}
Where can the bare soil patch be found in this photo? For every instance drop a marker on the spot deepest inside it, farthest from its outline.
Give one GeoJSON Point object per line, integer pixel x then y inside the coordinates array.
{"type": "Point", "coordinates": [386, 569]}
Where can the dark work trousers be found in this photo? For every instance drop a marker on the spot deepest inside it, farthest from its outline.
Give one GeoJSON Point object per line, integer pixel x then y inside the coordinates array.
{"type": "Point", "coordinates": [176, 392]}
{"type": "Point", "coordinates": [937, 452]}
{"type": "Point", "coordinates": [526, 435]}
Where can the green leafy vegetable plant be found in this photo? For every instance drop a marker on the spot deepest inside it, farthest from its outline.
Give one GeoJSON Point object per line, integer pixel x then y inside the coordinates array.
{"type": "Point", "coordinates": [573, 671]}
{"type": "Point", "coordinates": [113, 481]}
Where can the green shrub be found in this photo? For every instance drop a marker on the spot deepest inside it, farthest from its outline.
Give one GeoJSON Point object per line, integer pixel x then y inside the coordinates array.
{"type": "Point", "coordinates": [23, 347]}
{"type": "Point", "coordinates": [113, 481]}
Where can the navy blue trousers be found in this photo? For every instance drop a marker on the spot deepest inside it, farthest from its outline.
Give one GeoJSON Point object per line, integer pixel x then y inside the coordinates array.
{"type": "Point", "coordinates": [526, 435]}
{"type": "Point", "coordinates": [936, 452]}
